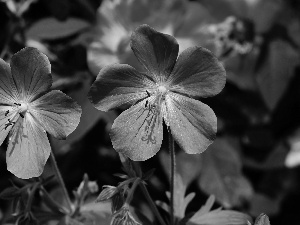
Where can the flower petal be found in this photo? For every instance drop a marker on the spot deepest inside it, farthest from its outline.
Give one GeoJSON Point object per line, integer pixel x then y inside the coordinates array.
{"type": "Point", "coordinates": [28, 149]}
{"type": "Point", "coordinates": [116, 85]}
{"type": "Point", "coordinates": [8, 90]}
{"type": "Point", "coordinates": [31, 71]}
{"type": "Point", "coordinates": [197, 73]}
{"type": "Point", "coordinates": [156, 51]}
{"type": "Point", "coordinates": [193, 124]}
{"type": "Point", "coordinates": [138, 131]}
{"type": "Point", "coordinates": [57, 113]}
{"type": "Point", "coordinates": [6, 114]}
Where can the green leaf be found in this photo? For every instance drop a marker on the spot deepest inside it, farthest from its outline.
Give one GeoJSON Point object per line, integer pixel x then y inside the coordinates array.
{"type": "Point", "coordinates": [217, 216]}
{"type": "Point", "coordinates": [274, 76]}
{"type": "Point", "coordinates": [205, 208]}
{"type": "Point", "coordinates": [180, 200]}
{"type": "Point", "coordinates": [221, 174]}
{"type": "Point", "coordinates": [51, 28]}
{"type": "Point", "coordinates": [107, 193]}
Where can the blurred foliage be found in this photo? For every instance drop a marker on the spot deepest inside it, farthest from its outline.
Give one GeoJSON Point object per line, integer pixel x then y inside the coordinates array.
{"type": "Point", "coordinates": [252, 167]}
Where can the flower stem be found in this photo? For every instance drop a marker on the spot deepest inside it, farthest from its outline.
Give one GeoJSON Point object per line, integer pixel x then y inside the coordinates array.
{"type": "Point", "coordinates": [132, 189]}
{"type": "Point", "coordinates": [61, 181]}
{"type": "Point", "coordinates": [151, 203]}
{"type": "Point", "coordinates": [142, 185]}
{"type": "Point", "coordinates": [172, 178]}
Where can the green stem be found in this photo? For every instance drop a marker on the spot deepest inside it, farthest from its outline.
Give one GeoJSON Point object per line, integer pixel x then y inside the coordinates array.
{"type": "Point", "coordinates": [147, 195]}
{"type": "Point", "coordinates": [132, 189]}
{"type": "Point", "coordinates": [172, 178]}
{"type": "Point", "coordinates": [31, 196]}
{"type": "Point", "coordinates": [151, 203]}
{"type": "Point", "coordinates": [61, 181]}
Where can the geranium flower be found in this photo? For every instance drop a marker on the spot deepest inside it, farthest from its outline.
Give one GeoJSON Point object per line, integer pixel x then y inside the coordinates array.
{"type": "Point", "coordinates": [117, 20]}
{"type": "Point", "coordinates": [164, 92]}
{"type": "Point", "coordinates": [28, 110]}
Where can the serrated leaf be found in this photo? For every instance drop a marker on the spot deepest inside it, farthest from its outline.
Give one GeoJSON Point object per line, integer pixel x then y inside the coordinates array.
{"type": "Point", "coordinates": [180, 200]}
{"type": "Point", "coordinates": [205, 208]}
{"type": "Point", "coordinates": [51, 28]}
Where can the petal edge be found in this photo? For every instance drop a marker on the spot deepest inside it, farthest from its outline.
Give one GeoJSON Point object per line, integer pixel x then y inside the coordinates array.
{"type": "Point", "coordinates": [197, 73]}
{"type": "Point", "coordinates": [193, 124]}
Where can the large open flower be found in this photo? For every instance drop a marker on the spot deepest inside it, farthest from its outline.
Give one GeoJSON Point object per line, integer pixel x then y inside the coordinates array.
{"type": "Point", "coordinates": [162, 93]}
{"type": "Point", "coordinates": [28, 110]}
{"type": "Point", "coordinates": [116, 20]}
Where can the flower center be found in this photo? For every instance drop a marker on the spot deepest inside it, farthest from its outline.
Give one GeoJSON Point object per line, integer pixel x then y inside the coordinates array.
{"type": "Point", "coordinates": [162, 89]}
{"type": "Point", "coordinates": [23, 107]}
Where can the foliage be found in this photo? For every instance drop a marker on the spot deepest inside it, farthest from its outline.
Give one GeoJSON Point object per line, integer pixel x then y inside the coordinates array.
{"type": "Point", "coordinates": [250, 170]}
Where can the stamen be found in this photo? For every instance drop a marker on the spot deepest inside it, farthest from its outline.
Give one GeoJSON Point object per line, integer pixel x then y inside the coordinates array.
{"type": "Point", "coordinates": [8, 124]}
{"type": "Point", "coordinates": [6, 113]}
{"type": "Point", "coordinates": [23, 107]}
{"type": "Point", "coordinates": [148, 93]}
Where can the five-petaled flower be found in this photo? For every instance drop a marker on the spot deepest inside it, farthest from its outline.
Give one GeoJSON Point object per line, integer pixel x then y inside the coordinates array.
{"type": "Point", "coordinates": [163, 92]}
{"type": "Point", "coordinates": [28, 110]}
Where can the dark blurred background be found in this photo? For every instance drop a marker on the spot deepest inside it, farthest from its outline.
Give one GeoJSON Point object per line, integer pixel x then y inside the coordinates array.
{"type": "Point", "coordinates": [252, 167]}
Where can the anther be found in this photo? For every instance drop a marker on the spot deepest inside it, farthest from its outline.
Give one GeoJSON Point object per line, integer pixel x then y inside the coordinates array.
{"type": "Point", "coordinates": [6, 113]}
{"type": "Point", "coordinates": [8, 124]}
{"type": "Point", "coordinates": [148, 93]}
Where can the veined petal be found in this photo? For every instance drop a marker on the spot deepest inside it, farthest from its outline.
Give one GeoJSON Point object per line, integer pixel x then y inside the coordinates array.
{"type": "Point", "coordinates": [193, 124]}
{"type": "Point", "coordinates": [138, 131]}
{"type": "Point", "coordinates": [156, 51]}
{"type": "Point", "coordinates": [197, 73]}
{"type": "Point", "coordinates": [8, 90]}
{"type": "Point", "coordinates": [31, 71]}
{"type": "Point", "coordinates": [6, 115]}
{"type": "Point", "coordinates": [57, 113]}
{"type": "Point", "coordinates": [116, 85]}
{"type": "Point", "coordinates": [28, 149]}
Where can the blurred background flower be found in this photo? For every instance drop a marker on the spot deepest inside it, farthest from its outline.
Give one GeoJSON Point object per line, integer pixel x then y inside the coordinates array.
{"type": "Point", "coordinates": [116, 20]}
{"type": "Point", "coordinates": [253, 165]}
